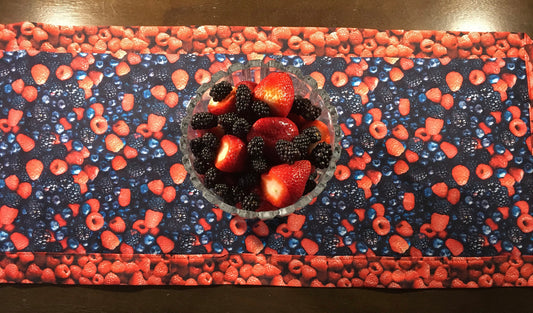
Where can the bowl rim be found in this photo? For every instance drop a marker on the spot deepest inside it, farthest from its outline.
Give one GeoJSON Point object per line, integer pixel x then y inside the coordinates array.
{"type": "Point", "coordinates": [324, 178]}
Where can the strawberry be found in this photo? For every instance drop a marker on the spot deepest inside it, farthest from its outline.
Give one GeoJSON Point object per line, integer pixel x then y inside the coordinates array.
{"type": "Point", "coordinates": [284, 184]}
{"type": "Point", "coordinates": [223, 106]}
{"type": "Point", "coordinates": [231, 156]}
{"type": "Point", "coordinates": [277, 91]}
{"type": "Point", "coordinates": [272, 129]}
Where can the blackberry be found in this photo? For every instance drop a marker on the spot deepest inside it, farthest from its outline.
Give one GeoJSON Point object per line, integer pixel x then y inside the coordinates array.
{"type": "Point", "coordinates": [312, 133]}
{"type": "Point", "coordinates": [138, 74]}
{"type": "Point", "coordinates": [367, 141]}
{"type": "Point", "coordinates": [87, 136]}
{"type": "Point", "coordinates": [227, 120]}
{"type": "Point", "coordinates": [156, 204]}
{"type": "Point", "coordinates": [208, 154]}
{"type": "Point", "coordinates": [302, 142]}
{"type": "Point", "coordinates": [179, 214]}
{"type": "Point", "coordinates": [412, 79]}
{"type": "Point", "coordinates": [46, 141]}
{"type": "Point", "coordinates": [459, 119]}
{"type": "Point", "coordinates": [132, 237]}
{"type": "Point", "coordinates": [250, 202]}
{"type": "Point", "coordinates": [226, 237]}
{"type": "Point", "coordinates": [289, 153]}
{"type": "Point", "coordinates": [163, 74]}
{"type": "Point", "coordinates": [436, 111]}
{"type": "Point", "coordinates": [237, 193]}
{"type": "Point", "coordinates": [521, 92]}
{"type": "Point", "coordinates": [415, 144]}
{"type": "Point", "coordinates": [437, 76]}
{"type": "Point", "coordinates": [247, 180]}
{"type": "Point", "coordinates": [159, 108]}
{"type": "Point", "coordinates": [135, 140]}
{"type": "Point", "coordinates": [417, 173]}
{"type": "Point", "coordinates": [221, 90]}
{"type": "Point", "coordinates": [499, 195]}
{"type": "Point", "coordinates": [275, 241]}
{"type": "Point", "coordinates": [309, 186]}
{"type": "Point", "coordinates": [108, 90]}
{"type": "Point", "coordinates": [329, 244]}
{"type": "Point", "coordinates": [204, 120]}
{"type": "Point", "coordinates": [18, 103]}
{"type": "Point", "coordinates": [369, 237]}
{"type": "Point", "coordinates": [465, 214]}
{"type": "Point", "coordinates": [243, 100]}
{"type": "Point", "coordinates": [185, 242]}
{"type": "Point", "coordinates": [72, 193]}
{"type": "Point", "coordinates": [421, 242]}
{"type": "Point", "coordinates": [223, 191]}
{"type": "Point", "coordinates": [54, 246]}
{"type": "Point", "coordinates": [493, 101]}
{"type": "Point", "coordinates": [81, 232]}
{"type": "Point", "coordinates": [474, 244]}
{"type": "Point", "coordinates": [355, 105]}
{"type": "Point", "coordinates": [135, 169]}
{"type": "Point", "coordinates": [5, 69]}
{"type": "Point", "coordinates": [40, 238]}
{"type": "Point", "coordinates": [515, 235]}
{"type": "Point", "coordinates": [468, 145]}
{"type": "Point", "coordinates": [507, 138]}
{"type": "Point", "coordinates": [384, 94]}
{"type": "Point", "coordinates": [197, 145]}
{"type": "Point", "coordinates": [11, 199]}
{"type": "Point", "coordinates": [76, 98]}
{"type": "Point", "coordinates": [440, 206]}
{"type": "Point", "coordinates": [41, 112]}
{"type": "Point", "coordinates": [201, 166]}
{"type": "Point", "coordinates": [321, 216]}
{"type": "Point", "coordinates": [387, 189]}
{"type": "Point", "coordinates": [305, 108]}
{"type": "Point", "coordinates": [34, 208]}
{"type": "Point", "coordinates": [321, 155]}
{"type": "Point", "coordinates": [259, 165]}
{"type": "Point", "coordinates": [210, 141]}
{"type": "Point", "coordinates": [259, 109]}
{"type": "Point", "coordinates": [357, 195]}
{"type": "Point", "coordinates": [212, 177]}
{"type": "Point", "coordinates": [255, 147]}
{"type": "Point", "coordinates": [103, 184]}
{"type": "Point", "coordinates": [240, 128]}
{"type": "Point", "coordinates": [471, 93]}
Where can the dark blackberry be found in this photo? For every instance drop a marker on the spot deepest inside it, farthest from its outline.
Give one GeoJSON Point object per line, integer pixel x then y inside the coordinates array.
{"type": "Point", "coordinates": [321, 217]}
{"type": "Point", "coordinates": [240, 128]}
{"type": "Point", "coordinates": [197, 145]}
{"type": "Point", "coordinates": [40, 238]}
{"type": "Point", "coordinates": [275, 241]}
{"type": "Point", "coordinates": [185, 242]}
{"type": "Point", "coordinates": [227, 120]}
{"type": "Point", "coordinates": [436, 111]}
{"type": "Point", "coordinates": [250, 202]}
{"type": "Point", "coordinates": [415, 144]}
{"type": "Point", "coordinates": [259, 109]}
{"type": "Point", "coordinates": [72, 193]}
{"type": "Point", "coordinates": [81, 232]}
{"type": "Point", "coordinates": [135, 140]}
{"type": "Point", "coordinates": [247, 180]}
{"type": "Point", "coordinates": [224, 192]}
{"type": "Point", "coordinates": [204, 120]}
{"type": "Point", "coordinates": [367, 141]}
{"type": "Point", "coordinates": [179, 214]}
{"type": "Point", "coordinates": [54, 246]}
{"type": "Point", "coordinates": [302, 142]}
{"type": "Point", "coordinates": [156, 204]}
{"type": "Point", "coordinates": [11, 199]}
{"type": "Point", "coordinates": [436, 76]}
{"type": "Point", "coordinates": [515, 235]}
{"type": "Point", "coordinates": [305, 108]}
{"type": "Point", "coordinates": [474, 243]}
{"type": "Point", "coordinates": [41, 112]}
{"type": "Point", "coordinates": [384, 94]}
{"type": "Point", "coordinates": [507, 138]}
{"type": "Point", "coordinates": [259, 165]}
{"type": "Point", "coordinates": [459, 119]}
{"type": "Point", "coordinates": [289, 153]}
{"type": "Point", "coordinates": [387, 189]}
{"type": "Point", "coordinates": [420, 241]}
{"type": "Point", "coordinates": [210, 141]}
{"type": "Point", "coordinates": [163, 74]}
{"type": "Point", "coordinates": [87, 136]}
{"type": "Point", "coordinates": [465, 214]}
{"type": "Point", "coordinates": [521, 92]}
{"type": "Point", "coordinates": [226, 237]}
{"type": "Point", "coordinates": [76, 98]}
{"type": "Point", "coordinates": [34, 208]}
{"type": "Point", "coordinates": [135, 169]}
{"type": "Point", "coordinates": [312, 133]}
{"type": "Point", "coordinates": [237, 193]}
{"type": "Point", "coordinates": [355, 105]}
{"type": "Point", "coordinates": [417, 173]}
{"type": "Point", "coordinates": [207, 154]}
{"type": "Point", "coordinates": [309, 186]}
{"type": "Point", "coordinates": [17, 102]}
{"type": "Point", "coordinates": [321, 155]}
{"type": "Point", "coordinates": [132, 237]}
{"type": "Point", "coordinates": [159, 108]}
{"type": "Point", "coordinates": [440, 206]}
{"type": "Point", "coordinates": [499, 195]}
{"type": "Point", "coordinates": [5, 69]}
{"type": "Point", "coordinates": [243, 100]}
{"type": "Point", "coordinates": [108, 89]}
{"type": "Point", "coordinates": [471, 93]}
{"type": "Point", "coordinates": [103, 184]}
{"type": "Point", "coordinates": [468, 145]}
{"type": "Point", "coordinates": [255, 147]}
{"type": "Point", "coordinates": [493, 101]}
{"type": "Point", "coordinates": [138, 74]}
{"type": "Point", "coordinates": [212, 177]}
{"type": "Point", "coordinates": [357, 196]}
{"type": "Point", "coordinates": [412, 79]}
{"type": "Point", "coordinates": [329, 244]}
{"type": "Point", "coordinates": [369, 237]}
{"type": "Point", "coordinates": [221, 90]}
{"type": "Point", "coordinates": [201, 166]}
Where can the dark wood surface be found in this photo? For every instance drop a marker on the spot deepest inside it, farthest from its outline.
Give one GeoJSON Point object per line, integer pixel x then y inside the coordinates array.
{"type": "Point", "coordinates": [476, 15]}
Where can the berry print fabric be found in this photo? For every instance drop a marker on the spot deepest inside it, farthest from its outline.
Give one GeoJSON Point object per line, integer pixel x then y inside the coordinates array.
{"type": "Point", "coordinates": [432, 189]}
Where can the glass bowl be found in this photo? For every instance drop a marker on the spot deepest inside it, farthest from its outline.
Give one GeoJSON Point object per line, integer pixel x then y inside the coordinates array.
{"type": "Point", "coordinates": [255, 71]}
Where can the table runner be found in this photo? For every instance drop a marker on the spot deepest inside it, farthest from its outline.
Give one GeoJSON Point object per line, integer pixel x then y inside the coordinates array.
{"type": "Point", "coordinates": [432, 189]}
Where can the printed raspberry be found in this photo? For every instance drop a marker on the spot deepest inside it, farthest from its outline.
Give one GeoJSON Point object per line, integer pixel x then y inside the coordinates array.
{"type": "Point", "coordinates": [220, 90]}
{"type": "Point", "coordinates": [226, 237]}
{"type": "Point", "coordinates": [289, 153]}
{"type": "Point", "coordinates": [255, 147]}
{"type": "Point", "coordinates": [87, 136]}
{"type": "Point", "coordinates": [250, 202]}
{"type": "Point", "coordinates": [436, 111]}
{"type": "Point", "coordinates": [329, 244]}
{"type": "Point", "coordinates": [321, 155]}
{"type": "Point", "coordinates": [507, 138]}
{"type": "Point", "coordinates": [135, 169]}
{"type": "Point", "coordinates": [201, 166]}
{"type": "Point", "coordinates": [302, 142]}
{"type": "Point", "coordinates": [132, 237]}
{"type": "Point", "coordinates": [76, 98]}
{"type": "Point", "coordinates": [259, 109]}
{"type": "Point", "coordinates": [309, 186]}
{"type": "Point", "coordinates": [243, 100]}
{"type": "Point", "coordinates": [468, 145]}
{"type": "Point", "coordinates": [159, 108]}
{"type": "Point", "coordinates": [40, 238]}
{"type": "Point", "coordinates": [367, 141]}
{"type": "Point", "coordinates": [227, 120]}
{"type": "Point", "coordinates": [237, 193]}
{"type": "Point", "coordinates": [81, 232]}
{"type": "Point", "coordinates": [185, 242]}
{"type": "Point", "coordinates": [276, 241]}
{"type": "Point", "coordinates": [259, 165]}
{"type": "Point", "coordinates": [212, 177]}
{"type": "Point", "coordinates": [240, 128]}
{"type": "Point", "coordinates": [204, 120]}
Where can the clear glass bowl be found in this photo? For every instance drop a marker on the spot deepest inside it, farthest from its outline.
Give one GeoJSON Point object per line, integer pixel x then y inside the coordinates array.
{"type": "Point", "coordinates": [255, 71]}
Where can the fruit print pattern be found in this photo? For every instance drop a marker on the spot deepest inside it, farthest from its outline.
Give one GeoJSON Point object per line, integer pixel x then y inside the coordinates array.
{"type": "Point", "coordinates": [502, 233]}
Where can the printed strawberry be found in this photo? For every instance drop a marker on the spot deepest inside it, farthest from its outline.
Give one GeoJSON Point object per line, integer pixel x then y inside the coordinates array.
{"type": "Point", "coordinates": [284, 184]}
{"type": "Point", "coordinates": [272, 129]}
{"type": "Point", "coordinates": [278, 92]}
{"type": "Point", "coordinates": [223, 106]}
{"type": "Point", "coordinates": [231, 156]}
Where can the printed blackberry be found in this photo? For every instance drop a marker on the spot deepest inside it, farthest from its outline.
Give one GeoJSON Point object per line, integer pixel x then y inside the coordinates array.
{"type": "Point", "coordinates": [237, 193]}
{"type": "Point", "coordinates": [243, 100]}
{"type": "Point", "coordinates": [321, 155]}
{"type": "Point", "coordinates": [17, 102]}
{"type": "Point", "coordinates": [240, 128]}
{"type": "Point", "coordinates": [163, 74]}
{"type": "Point", "coordinates": [227, 120]}
{"type": "Point", "coordinates": [212, 177]}
{"type": "Point", "coordinates": [387, 189]}
{"type": "Point", "coordinates": [11, 199]}
{"type": "Point", "coordinates": [226, 237]}
{"type": "Point", "coordinates": [515, 235]}
{"type": "Point", "coordinates": [34, 208]}
{"type": "Point", "coordinates": [357, 195]}
{"type": "Point", "coordinates": [72, 193]}
{"type": "Point", "coordinates": [421, 242]}
{"type": "Point", "coordinates": [138, 74]}
{"type": "Point", "coordinates": [179, 214]}
{"type": "Point", "coordinates": [493, 101]}
{"type": "Point", "coordinates": [412, 79]}
{"type": "Point", "coordinates": [103, 184]}
{"type": "Point", "coordinates": [275, 241]}
{"type": "Point", "coordinates": [329, 244]}
{"type": "Point", "coordinates": [499, 195]}
{"type": "Point", "coordinates": [159, 108]}
{"type": "Point", "coordinates": [471, 93]}
{"type": "Point", "coordinates": [369, 237]}
{"type": "Point", "coordinates": [417, 173]}
{"type": "Point", "coordinates": [250, 202]}
{"type": "Point", "coordinates": [221, 90]}
{"type": "Point", "coordinates": [41, 112]}
{"type": "Point", "coordinates": [132, 237]}
{"type": "Point", "coordinates": [81, 232]}
{"type": "Point", "coordinates": [87, 136]}
{"type": "Point", "coordinates": [46, 140]}
{"type": "Point", "coordinates": [436, 111]}
{"type": "Point", "coordinates": [468, 145]}
{"type": "Point", "coordinates": [459, 119]}
{"type": "Point", "coordinates": [309, 186]}
{"type": "Point", "coordinates": [440, 206]}
{"type": "Point", "coordinates": [384, 94]}
{"type": "Point", "coordinates": [321, 217]}
{"type": "Point", "coordinates": [156, 204]}
{"type": "Point", "coordinates": [135, 169]}
{"type": "Point", "coordinates": [201, 166]}
{"type": "Point", "coordinates": [507, 138]}
{"type": "Point", "coordinates": [521, 92]}
{"type": "Point", "coordinates": [367, 141]}
{"type": "Point", "coordinates": [355, 104]}
{"type": "Point", "coordinates": [76, 98]}
{"type": "Point", "coordinates": [312, 133]}
{"type": "Point", "coordinates": [302, 142]}
{"type": "Point", "coordinates": [289, 153]}
{"type": "Point", "coordinates": [204, 120]}
{"type": "Point", "coordinates": [185, 242]}
{"type": "Point", "coordinates": [437, 76]}
{"type": "Point", "coordinates": [465, 214]}
{"type": "Point", "coordinates": [259, 165]}
{"type": "Point", "coordinates": [255, 147]}
{"type": "Point", "coordinates": [259, 109]}
{"type": "Point", "coordinates": [5, 69]}
{"type": "Point", "coordinates": [108, 89]}
{"type": "Point", "coordinates": [474, 243]}
{"type": "Point", "coordinates": [40, 238]}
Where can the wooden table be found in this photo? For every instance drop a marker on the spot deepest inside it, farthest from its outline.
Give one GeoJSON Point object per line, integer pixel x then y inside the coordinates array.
{"type": "Point", "coordinates": [468, 15]}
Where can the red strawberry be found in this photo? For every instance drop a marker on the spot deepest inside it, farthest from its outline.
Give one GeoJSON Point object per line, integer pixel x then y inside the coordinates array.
{"type": "Point", "coordinates": [277, 91]}
{"type": "Point", "coordinates": [247, 83]}
{"type": "Point", "coordinates": [272, 129]}
{"type": "Point", "coordinates": [284, 184]}
{"type": "Point", "coordinates": [231, 156]}
{"type": "Point", "coordinates": [226, 105]}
